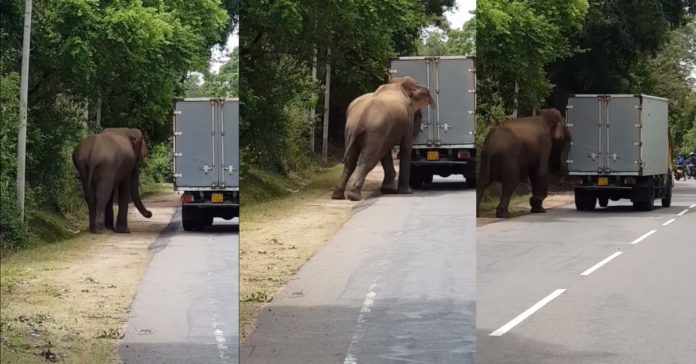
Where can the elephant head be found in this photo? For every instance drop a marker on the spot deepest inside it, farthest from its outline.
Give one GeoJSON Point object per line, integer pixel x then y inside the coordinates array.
{"type": "Point", "coordinates": [419, 94]}
{"type": "Point", "coordinates": [137, 140]}
{"type": "Point", "coordinates": [560, 138]}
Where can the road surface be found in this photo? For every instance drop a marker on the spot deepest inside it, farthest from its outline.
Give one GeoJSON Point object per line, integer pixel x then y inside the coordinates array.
{"type": "Point", "coordinates": [395, 285]}
{"type": "Point", "coordinates": [609, 286]}
{"type": "Point", "coordinates": [187, 306]}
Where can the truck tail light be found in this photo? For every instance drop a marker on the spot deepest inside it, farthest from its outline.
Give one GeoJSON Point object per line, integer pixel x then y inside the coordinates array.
{"type": "Point", "coordinates": [186, 198]}
{"type": "Point", "coordinates": [577, 181]}
{"type": "Point", "coordinates": [463, 155]}
{"type": "Point", "coordinates": [629, 181]}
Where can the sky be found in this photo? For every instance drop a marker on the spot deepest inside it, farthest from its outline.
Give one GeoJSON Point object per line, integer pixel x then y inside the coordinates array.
{"type": "Point", "coordinates": [462, 12]}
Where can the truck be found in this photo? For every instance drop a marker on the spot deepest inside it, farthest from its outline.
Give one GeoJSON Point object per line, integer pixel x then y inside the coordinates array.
{"type": "Point", "coordinates": [206, 160]}
{"type": "Point", "coordinates": [619, 150]}
{"type": "Point", "coordinates": [446, 141]}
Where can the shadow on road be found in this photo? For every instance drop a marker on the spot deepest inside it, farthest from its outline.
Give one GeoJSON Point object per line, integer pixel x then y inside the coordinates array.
{"type": "Point", "coordinates": [180, 353]}
{"type": "Point", "coordinates": [513, 348]}
{"type": "Point", "coordinates": [395, 330]}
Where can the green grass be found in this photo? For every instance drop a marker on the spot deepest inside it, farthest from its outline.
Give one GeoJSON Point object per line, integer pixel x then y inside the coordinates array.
{"type": "Point", "coordinates": [263, 191]}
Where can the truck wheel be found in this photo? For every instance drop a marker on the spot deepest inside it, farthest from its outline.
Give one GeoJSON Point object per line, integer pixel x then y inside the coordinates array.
{"type": "Point", "coordinates": [590, 201]}
{"type": "Point", "coordinates": [471, 182]}
{"type": "Point", "coordinates": [580, 200]}
{"type": "Point", "coordinates": [209, 220]}
{"type": "Point", "coordinates": [189, 225]}
{"type": "Point", "coordinates": [428, 177]}
{"type": "Point", "coordinates": [416, 177]}
{"type": "Point", "coordinates": [603, 201]}
{"type": "Point", "coordinates": [667, 200]}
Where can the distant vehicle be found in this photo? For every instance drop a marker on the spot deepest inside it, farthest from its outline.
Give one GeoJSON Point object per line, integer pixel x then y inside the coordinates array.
{"type": "Point", "coordinates": [206, 160]}
{"type": "Point", "coordinates": [446, 142]}
{"type": "Point", "coordinates": [620, 150]}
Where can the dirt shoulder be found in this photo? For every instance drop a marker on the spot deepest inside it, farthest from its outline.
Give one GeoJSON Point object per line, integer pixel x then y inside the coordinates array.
{"type": "Point", "coordinates": [67, 302]}
{"type": "Point", "coordinates": [279, 236]}
{"type": "Point", "coordinates": [519, 205]}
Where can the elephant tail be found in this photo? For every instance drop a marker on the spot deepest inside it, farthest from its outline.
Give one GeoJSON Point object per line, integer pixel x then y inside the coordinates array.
{"type": "Point", "coordinates": [351, 147]}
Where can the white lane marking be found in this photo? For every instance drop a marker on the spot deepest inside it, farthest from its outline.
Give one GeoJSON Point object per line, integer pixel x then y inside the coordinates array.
{"type": "Point", "coordinates": [683, 212]}
{"type": "Point", "coordinates": [692, 206]}
{"type": "Point", "coordinates": [634, 242]}
{"type": "Point", "coordinates": [361, 326]}
{"type": "Point", "coordinates": [528, 312]}
{"type": "Point", "coordinates": [668, 222]}
{"type": "Point", "coordinates": [220, 340]}
{"type": "Point", "coordinates": [600, 264]}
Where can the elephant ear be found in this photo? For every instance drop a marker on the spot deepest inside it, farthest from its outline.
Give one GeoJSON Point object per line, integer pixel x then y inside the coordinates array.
{"type": "Point", "coordinates": [138, 140]}
{"type": "Point", "coordinates": [555, 124]}
{"type": "Point", "coordinates": [421, 97]}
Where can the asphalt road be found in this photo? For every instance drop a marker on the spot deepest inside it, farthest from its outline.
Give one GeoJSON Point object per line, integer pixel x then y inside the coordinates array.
{"type": "Point", "coordinates": [590, 287]}
{"type": "Point", "coordinates": [395, 285]}
{"type": "Point", "coordinates": [187, 306]}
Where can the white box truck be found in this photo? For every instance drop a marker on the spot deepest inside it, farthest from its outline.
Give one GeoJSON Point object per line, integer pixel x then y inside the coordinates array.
{"type": "Point", "coordinates": [619, 150]}
{"type": "Point", "coordinates": [446, 141]}
{"type": "Point", "coordinates": [206, 160]}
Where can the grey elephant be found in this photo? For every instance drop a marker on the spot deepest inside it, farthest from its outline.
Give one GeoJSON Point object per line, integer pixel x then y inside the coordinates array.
{"type": "Point", "coordinates": [526, 147]}
{"type": "Point", "coordinates": [375, 123]}
{"type": "Point", "coordinates": [110, 162]}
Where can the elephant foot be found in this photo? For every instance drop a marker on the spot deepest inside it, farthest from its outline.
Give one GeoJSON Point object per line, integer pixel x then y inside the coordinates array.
{"type": "Point", "coordinates": [536, 204]}
{"type": "Point", "coordinates": [337, 195]}
{"type": "Point", "coordinates": [388, 190]}
{"type": "Point", "coordinates": [122, 230]}
{"type": "Point", "coordinates": [353, 195]}
{"type": "Point", "coordinates": [503, 214]}
{"type": "Point", "coordinates": [98, 230]}
{"type": "Point", "coordinates": [405, 190]}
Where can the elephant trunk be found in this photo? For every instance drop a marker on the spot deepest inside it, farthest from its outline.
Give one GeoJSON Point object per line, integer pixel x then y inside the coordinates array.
{"type": "Point", "coordinates": [135, 195]}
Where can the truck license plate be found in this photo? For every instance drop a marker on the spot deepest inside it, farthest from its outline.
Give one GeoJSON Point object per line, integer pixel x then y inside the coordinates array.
{"type": "Point", "coordinates": [602, 181]}
{"type": "Point", "coordinates": [217, 198]}
{"type": "Point", "coordinates": [433, 155]}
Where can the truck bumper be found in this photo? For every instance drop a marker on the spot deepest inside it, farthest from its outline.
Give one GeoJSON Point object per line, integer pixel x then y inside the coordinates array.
{"type": "Point", "coordinates": [225, 211]}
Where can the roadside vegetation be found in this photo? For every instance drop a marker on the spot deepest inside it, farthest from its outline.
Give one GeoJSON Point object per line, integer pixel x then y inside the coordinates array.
{"type": "Point", "coordinates": [93, 65]}
{"type": "Point", "coordinates": [532, 54]}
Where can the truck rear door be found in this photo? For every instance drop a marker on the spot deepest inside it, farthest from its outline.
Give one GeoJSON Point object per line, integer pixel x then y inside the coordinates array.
{"type": "Point", "coordinates": [229, 153]}
{"type": "Point", "coordinates": [194, 144]}
{"type": "Point", "coordinates": [584, 117]}
{"type": "Point", "coordinates": [623, 133]}
{"type": "Point", "coordinates": [454, 94]}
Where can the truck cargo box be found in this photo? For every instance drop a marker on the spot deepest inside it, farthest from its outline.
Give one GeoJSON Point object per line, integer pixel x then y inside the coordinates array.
{"type": "Point", "coordinates": [618, 135]}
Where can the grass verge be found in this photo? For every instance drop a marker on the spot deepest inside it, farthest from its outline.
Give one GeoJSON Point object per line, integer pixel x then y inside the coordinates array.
{"type": "Point", "coordinates": [67, 301]}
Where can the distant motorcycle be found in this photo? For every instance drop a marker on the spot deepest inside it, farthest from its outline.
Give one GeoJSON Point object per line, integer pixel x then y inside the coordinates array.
{"type": "Point", "coordinates": [679, 173]}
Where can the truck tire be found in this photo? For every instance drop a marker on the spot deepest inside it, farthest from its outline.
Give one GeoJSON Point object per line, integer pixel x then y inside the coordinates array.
{"type": "Point", "coordinates": [579, 200]}
{"type": "Point", "coordinates": [427, 177]}
{"type": "Point", "coordinates": [471, 182]}
{"type": "Point", "coordinates": [585, 200]}
{"type": "Point", "coordinates": [189, 225]}
{"type": "Point", "coordinates": [416, 177]}
{"type": "Point", "coordinates": [209, 220]}
{"type": "Point", "coordinates": [667, 200]}
{"type": "Point", "coordinates": [189, 219]}
{"type": "Point", "coordinates": [604, 201]}
{"type": "Point", "coordinates": [649, 203]}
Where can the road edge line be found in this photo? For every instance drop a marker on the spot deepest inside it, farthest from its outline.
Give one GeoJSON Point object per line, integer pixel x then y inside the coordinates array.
{"type": "Point", "coordinates": [528, 312]}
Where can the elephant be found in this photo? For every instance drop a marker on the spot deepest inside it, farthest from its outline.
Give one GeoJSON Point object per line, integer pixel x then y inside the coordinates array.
{"type": "Point", "coordinates": [526, 147]}
{"type": "Point", "coordinates": [375, 122]}
{"type": "Point", "coordinates": [110, 162]}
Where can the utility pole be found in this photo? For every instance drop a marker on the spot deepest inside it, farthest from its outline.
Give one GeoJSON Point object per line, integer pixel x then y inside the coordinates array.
{"type": "Point", "coordinates": [327, 94]}
{"type": "Point", "coordinates": [312, 112]}
{"type": "Point", "coordinates": [23, 96]}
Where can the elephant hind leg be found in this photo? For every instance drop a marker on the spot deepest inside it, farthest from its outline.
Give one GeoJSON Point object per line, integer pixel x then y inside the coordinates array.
{"type": "Point", "coordinates": [109, 213]}
{"type": "Point", "coordinates": [369, 157]}
{"type": "Point", "coordinates": [123, 200]}
{"type": "Point", "coordinates": [104, 189]}
{"type": "Point", "coordinates": [388, 185]}
{"type": "Point", "coordinates": [539, 193]}
{"type": "Point", "coordinates": [349, 162]}
{"type": "Point", "coordinates": [509, 184]}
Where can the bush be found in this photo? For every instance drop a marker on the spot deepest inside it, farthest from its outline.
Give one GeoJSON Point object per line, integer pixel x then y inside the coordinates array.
{"type": "Point", "coordinates": [158, 166]}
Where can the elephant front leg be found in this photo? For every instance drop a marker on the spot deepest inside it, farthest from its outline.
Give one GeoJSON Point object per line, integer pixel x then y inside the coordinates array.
{"type": "Point", "coordinates": [123, 200]}
{"type": "Point", "coordinates": [388, 184]}
{"type": "Point", "coordinates": [539, 193]}
{"type": "Point", "coordinates": [405, 167]}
